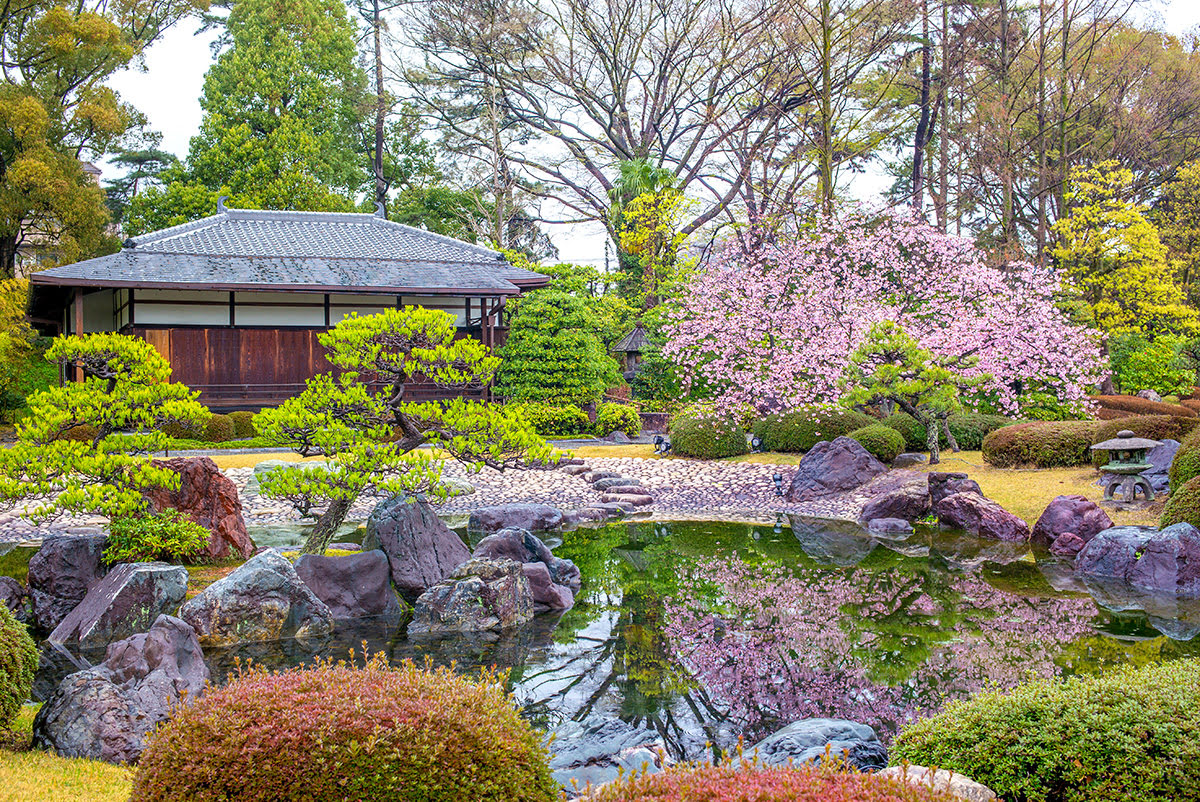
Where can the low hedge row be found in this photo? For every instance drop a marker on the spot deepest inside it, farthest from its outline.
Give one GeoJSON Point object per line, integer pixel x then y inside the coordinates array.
{"type": "Point", "coordinates": [799, 430]}
{"type": "Point", "coordinates": [1141, 406]}
{"type": "Point", "coordinates": [1183, 505]}
{"type": "Point", "coordinates": [1128, 734]}
{"type": "Point", "coordinates": [1041, 444]}
{"type": "Point", "coordinates": [706, 435]}
{"type": "Point", "coordinates": [1153, 427]}
{"type": "Point", "coordinates": [1186, 464]}
{"type": "Point", "coordinates": [968, 428]}
{"type": "Point", "coordinates": [550, 420]}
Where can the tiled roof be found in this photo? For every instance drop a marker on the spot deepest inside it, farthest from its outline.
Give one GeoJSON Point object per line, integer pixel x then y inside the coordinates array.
{"type": "Point", "coordinates": [241, 248]}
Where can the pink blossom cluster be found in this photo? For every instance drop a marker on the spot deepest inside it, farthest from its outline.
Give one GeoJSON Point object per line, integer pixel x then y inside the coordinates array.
{"type": "Point", "coordinates": [778, 645]}
{"type": "Point", "coordinates": [773, 324]}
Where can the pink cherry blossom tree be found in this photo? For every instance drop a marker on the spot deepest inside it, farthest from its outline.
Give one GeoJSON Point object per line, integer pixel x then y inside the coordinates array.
{"type": "Point", "coordinates": [771, 325]}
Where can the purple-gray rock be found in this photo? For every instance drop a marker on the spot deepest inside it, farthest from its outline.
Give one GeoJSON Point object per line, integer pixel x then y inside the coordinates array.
{"type": "Point", "coordinates": [547, 594]}
{"type": "Point", "coordinates": [421, 550]}
{"type": "Point", "coordinates": [61, 573]}
{"type": "Point", "coordinates": [833, 467]}
{"type": "Point", "coordinates": [262, 600]}
{"type": "Point", "coordinates": [353, 585]}
{"type": "Point", "coordinates": [14, 596]}
{"type": "Point", "coordinates": [104, 712]}
{"type": "Point", "coordinates": [523, 546]}
{"type": "Point", "coordinates": [1068, 544]}
{"type": "Point", "coordinates": [532, 517]}
{"type": "Point", "coordinates": [635, 499]}
{"type": "Point", "coordinates": [807, 740]}
{"type": "Point", "coordinates": [480, 595]}
{"type": "Point", "coordinates": [600, 749]}
{"type": "Point", "coordinates": [1077, 515]}
{"type": "Point", "coordinates": [981, 517]}
{"type": "Point", "coordinates": [128, 600]}
{"type": "Point", "coordinates": [908, 459]}
{"type": "Point", "coordinates": [945, 483]}
{"type": "Point", "coordinates": [909, 501]}
{"type": "Point", "coordinates": [889, 526]}
{"type": "Point", "coordinates": [605, 485]}
{"type": "Point", "coordinates": [1145, 558]}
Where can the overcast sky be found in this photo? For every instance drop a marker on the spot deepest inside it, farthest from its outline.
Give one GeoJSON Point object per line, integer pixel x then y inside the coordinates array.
{"type": "Point", "coordinates": [167, 91]}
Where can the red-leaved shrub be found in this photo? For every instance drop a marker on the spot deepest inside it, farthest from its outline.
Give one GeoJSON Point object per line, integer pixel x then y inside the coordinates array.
{"type": "Point", "coordinates": [334, 732]}
{"type": "Point", "coordinates": [1141, 406]}
{"type": "Point", "coordinates": [723, 784]}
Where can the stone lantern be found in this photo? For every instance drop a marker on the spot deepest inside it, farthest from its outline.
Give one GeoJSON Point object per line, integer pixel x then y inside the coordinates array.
{"type": "Point", "coordinates": [1126, 461]}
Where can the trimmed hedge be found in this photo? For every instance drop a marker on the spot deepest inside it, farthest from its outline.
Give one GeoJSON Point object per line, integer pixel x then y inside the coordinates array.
{"type": "Point", "coordinates": [799, 430]}
{"type": "Point", "coordinates": [1128, 734]}
{"type": "Point", "coordinates": [555, 421]}
{"type": "Point", "coordinates": [219, 429]}
{"type": "Point", "coordinates": [1183, 505]}
{"type": "Point", "coordinates": [334, 732]}
{"type": "Point", "coordinates": [706, 435]}
{"type": "Point", "coordinates": [909, 428]}
{"type": "Point", "coordinates": [184, 430]}
{"type": "Point", "coordinates": [243, 425]}
{"type": "Point", "coordinates": [1042, 444]}
{"type": "Point", "coordinates": [1186, 463]}
{"type": "Point", "coordinates": [1153, 427]}
{"type": "Point", "coordinates": [1141, 406]}
{"type": "Point", "coordinates": [612, 417]}
{"type": "Point", "coordinates": [18, 663]}
{"type": "Point", "coordinates": [884, 443]}
{"type": "Point", "coordinates": [968, 428]}
{"type": "Point", "coordinates": [760, 784]}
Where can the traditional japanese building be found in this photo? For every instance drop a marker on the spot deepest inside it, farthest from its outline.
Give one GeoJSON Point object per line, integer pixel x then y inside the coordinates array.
{"type": "Point", "coordinates": [235, 301]}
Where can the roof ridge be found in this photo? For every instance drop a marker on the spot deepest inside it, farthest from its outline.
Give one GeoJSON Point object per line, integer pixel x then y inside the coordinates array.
{"type": "Point", "coordinates": [173, 231]}
{"type": "Point", "coordinates": [432, 235]}
{"type": "Point", "coordinates": [292, 257]}
{"type": "Point", "coordinates": [289, 215]}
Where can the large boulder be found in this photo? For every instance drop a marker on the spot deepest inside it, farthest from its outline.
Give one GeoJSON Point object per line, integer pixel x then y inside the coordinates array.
{"type": "Point", "coordinates": [599, 750]}
{"type": "Point", "coordinates": [1070, 515]}
{"type": "Point", "coordinates": [523, 546]}
{"type": "Point", "coordinates": [810, 739]}
{"type": "Point", "coordinates": [833, 467]}
{"type": "Point", "coordinates": [531, 517]}
{"type": "Point", "coordinates": [421, 550]}
{"type": "Point", "coordinates": [210, 499]}
{"type": "Point", "coordinates": [480, 595]}
{"type": "Point", "coordinates": [948, 782]}
{"type": "Point", "coordinates": [353, 585]}
{"type": "Point", "coordinates": [832, 542]}
{"type": "Point", "coordinates": [14, 596]}
{"type": "Point", "coordinates": [1166, 561]}
{"type": "Point", "coordinates": [1160, 458]}
{"type": "Point", "coordinates": [908, 501]}
{"type": "Point", "coordinates": [947, 483]}
{"type": "Point", "coordinates": [126, 601]}
{"type": "Point", "coordinates": [262, 600]}
{"type": "Point", "coordinates": [104, 712]}
{"type": "Point", "coordinates": [980, 517]}
{"type": "Point", "coordinates": [61, 573]}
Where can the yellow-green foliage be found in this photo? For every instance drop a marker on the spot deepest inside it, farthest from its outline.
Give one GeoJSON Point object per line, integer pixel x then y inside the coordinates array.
{"type": "Point", "coordinates": [1128, 734]}
{"type": "Point", "coordinates": [553, 420]}
{"type": "Point", "coordinates": [884, 443]}
{"type": "Point", "coordinates": [706, 435]}
{"type": "Point", "coordinates": [243, 424]}
{"type": "Point", "coordinates": [125, 399]}
{"type": "Point", "coordinates": [1186, 464]}
{"type": "Point", "coordinates": [1183, 505]}
{"type": "Point", "coordinates": [168, 536]}
{"type": "Point", "coordinates": [220, 429]}
{"type": "Point", "coordinates": [801, 429]}
{"type": "Point", "coordinates": [612, 417]}
{"type": "Point", "coordinates": [18, 662]}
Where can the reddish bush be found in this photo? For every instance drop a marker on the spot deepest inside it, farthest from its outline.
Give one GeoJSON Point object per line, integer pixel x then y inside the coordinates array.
{"type": "Point", "coordinates": [334, 732]}
{"type": "Point", "coordinates": [1141, 406]}
{"type": "Point", "coordinates": [1152, 427]}
{"type": "Point", "coordinates": [1042, 444]}
{"type": "Point", "coordinates": [1113, 414]}
{"type": "Point", "coordinates": [1191, 403]}
{"type": "Point", "coordinates": [720, 784]}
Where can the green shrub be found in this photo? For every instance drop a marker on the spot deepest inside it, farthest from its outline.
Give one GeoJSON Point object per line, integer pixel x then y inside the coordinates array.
{"type": "Point", "coordinates": [799, 430]}
{"type": "Point", "coordinates": [83, 433]}
{"type": "Point", "coordinates": [1042, 444]}
{"type": "Point", "coordinates": [617, 418]}
{"type": "Point", "coordinates": [1141, 406]}
{"type": "Point", "coordinates": [1183, 505]}
{"type": "Point", "coordinates": [184, 430]}
{"type": "Point", "coordinates": [555, 421]}
{"type": "Point", "coordinates": [968, 428]}
{"type": "Point", "coordinates": [912, 430]}
{"type": "Point", "coordinates": [243, 425]}
{"type": "Point", "coordinates": [762, 784]}
{"type": "Point", "coordinates": [220, 429]}
{"type": "Point", "coordinates": [1160, 365]}
{"type": "Point", "coordinates": [884, 443]}
{"type": "Point", "coordinates": [169, 535]}
{"type": "Point", "coordinates": [711, 435]}
{"type": "Point", "coordinates": [1186, 464]}
{"type": "Point", "coordinates": [18, 663]}
{"type": "Point", "coordinates": [1129, 734]}
{"type": "Point", "coordinates": [334, 732]}
{"type": "Point", "coordinates": [1153, 427]}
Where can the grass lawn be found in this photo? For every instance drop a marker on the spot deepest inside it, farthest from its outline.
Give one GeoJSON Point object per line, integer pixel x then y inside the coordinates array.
{"type": "Point", "coordinates": [31, 775]}
{"type": "Point", "coordinates": [227, 461]}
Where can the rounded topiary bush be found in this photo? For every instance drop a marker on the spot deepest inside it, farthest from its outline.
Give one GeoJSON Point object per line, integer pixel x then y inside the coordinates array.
{"type": "Point", "coordinates": [617, 418]}
{"type": "Point", "coordinates": [706, 435]}
{"type": "Point", "coordinates": [549, 420]}
{"type": "Point", "coordinates": [779, 784]}
{"type": "Point", "coordinates": [969, 428]}
{"type": "Point", "coordinates": [1183, 505]}
{"type": "Point", "coordinates": [18, 663]}
{"type": "Point", "coordinates": [1186, 464]}
{"type": "Point", "coordinates": [1128, 734]}
{"type": "Point", "coordinates": [799, 430]}
{"type": "Point", "coordinates": [1153, 427]}
{"type": "Point", "coordinates": [219, 429]}
{"type": "Point", "coordinates": [884, 443]}
{"type": "Point", "coordinates": [1042, 444]}
{"type": "Point", "coordinates": [183, 430]}
{"type": "Point", "coordinates": [333, 732]}
{"type": "Point", "coordinates": [1141, 406]}
{"type": "Point", "coordinates": [243, 425]}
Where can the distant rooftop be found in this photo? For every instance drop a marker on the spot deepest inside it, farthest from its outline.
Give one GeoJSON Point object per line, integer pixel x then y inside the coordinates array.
{"type": "Point", "coordinates": [243, 249]}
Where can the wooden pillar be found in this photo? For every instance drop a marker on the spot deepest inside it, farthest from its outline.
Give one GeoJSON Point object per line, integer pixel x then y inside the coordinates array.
{"type": "Point", "coordinates": [77, 324]}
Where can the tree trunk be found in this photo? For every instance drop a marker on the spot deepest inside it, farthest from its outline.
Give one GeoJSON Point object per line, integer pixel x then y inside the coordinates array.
{"type": "Point", "coordinates": [924, 130]}
{"type": "Point", "coordinates": [931, 437]}
{"type": "Point", "coordinates": [825, 154]}
{"type": "Point", "coordinates": [945, 422]}
{"type": "Point", "coordinates": [380, 108]}
{"type": "Point", "coordinates": [327, 526]}
{"type": "Point", "coordinates": [8, 256]}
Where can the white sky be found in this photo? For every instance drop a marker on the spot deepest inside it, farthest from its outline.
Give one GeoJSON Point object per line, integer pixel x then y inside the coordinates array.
{"type": "Point", "coordinates": [167, 91]}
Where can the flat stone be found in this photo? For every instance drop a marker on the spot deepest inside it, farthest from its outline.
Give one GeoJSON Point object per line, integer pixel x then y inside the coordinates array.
{"type": "Point", "coordinates": [627, 498]}
{"type": "Point", "coordinates": [614, 481]}
{"type": "Point", "coordinates": [126, 601]}
{"type": "Point", "coordinates": [909, 459]}
{"type": "Point", "coordinates": [480, 595]}
{"type": "Point", "coordinates": [532, 517]}
{"type": "Point", "coordinates": [957, 785]}
{"type": "Point", "coordinates": [575, 470]}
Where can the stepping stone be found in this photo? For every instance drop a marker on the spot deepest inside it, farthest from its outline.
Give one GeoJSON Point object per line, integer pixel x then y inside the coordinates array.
{"type": "Point", "coordinates": [613, 481]}
{"type": "Point", "coordinates": [628, 498]}
{"type": "Point", "coordinates": [575, 470]}
{"type": "Point", "coordinates": [627, 490]}
{"type": "Point", "coordinates": [595, 476]}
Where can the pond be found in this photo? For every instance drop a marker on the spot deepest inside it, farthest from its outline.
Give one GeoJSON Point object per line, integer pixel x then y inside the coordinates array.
{"type": "Point", "coordinates": [707, 631]}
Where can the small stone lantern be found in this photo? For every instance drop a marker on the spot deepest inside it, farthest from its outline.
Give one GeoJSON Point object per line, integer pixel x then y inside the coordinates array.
{"type": "Point", "coordinates": [1126, 461]}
